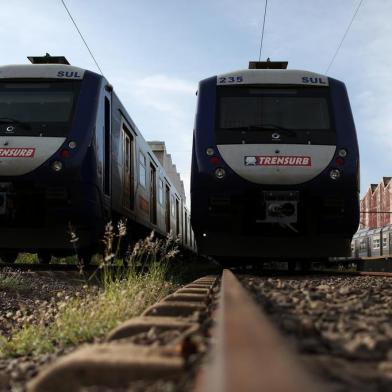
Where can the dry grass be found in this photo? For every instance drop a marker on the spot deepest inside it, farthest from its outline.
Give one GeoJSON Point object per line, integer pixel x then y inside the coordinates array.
{"type": "Point", "coordinates": [92, 313]}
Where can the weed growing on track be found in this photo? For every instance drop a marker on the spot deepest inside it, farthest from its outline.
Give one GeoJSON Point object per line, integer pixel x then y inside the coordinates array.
{"type": "Point", "coordinates": [27, 258]}
{"type": "Point", "coordinates": [13, 281]}
{"type": "Point", "coordinates": [90, 315]}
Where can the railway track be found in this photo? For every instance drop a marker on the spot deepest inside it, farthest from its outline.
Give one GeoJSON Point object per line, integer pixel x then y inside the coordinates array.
{"type": "Point", "coordinates": [50, 267]}
{"type": "Point", "coordinates": [165, 348]}
{"type": "Point", "coordinates": [268, 272]}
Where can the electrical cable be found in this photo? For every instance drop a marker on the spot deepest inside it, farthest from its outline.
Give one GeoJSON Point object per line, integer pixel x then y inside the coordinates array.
{"type": "Point", "coordinates": [262, 32]}
{"type": "Point", "coordinates": [344, 36]}
{"type": "Point", "coordinates": [81, 36]}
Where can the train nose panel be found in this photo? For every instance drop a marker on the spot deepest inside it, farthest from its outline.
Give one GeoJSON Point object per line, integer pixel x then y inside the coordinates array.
{"type": "Point", "coordinates": [20, 155]}
{"type": "Point", "coordinates": [270, 164]}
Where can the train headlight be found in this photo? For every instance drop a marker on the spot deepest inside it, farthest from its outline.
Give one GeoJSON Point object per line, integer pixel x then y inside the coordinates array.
{"type": "Point", "coordinates": [72, 144]}
{"type": "Point", "coordinates": [219, 173]}
{"type": "Point", "coordinates": [57, 166]}
{"type": "Point", "coordinates": [335, 174]}
{"type": "Point", "coordinates": [210, 151]}
{"type": "Point", "coordinates": [342, 153]}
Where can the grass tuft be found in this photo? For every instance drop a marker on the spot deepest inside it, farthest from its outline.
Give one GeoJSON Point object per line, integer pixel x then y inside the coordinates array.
{"type": "Point", "coordinates": [91, 315]}
{"type": "Point", "coordinates": [13, 281]}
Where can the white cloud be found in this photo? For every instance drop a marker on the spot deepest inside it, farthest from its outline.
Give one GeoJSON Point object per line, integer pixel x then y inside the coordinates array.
{"type": "Point", "coordinates": [163, 108]}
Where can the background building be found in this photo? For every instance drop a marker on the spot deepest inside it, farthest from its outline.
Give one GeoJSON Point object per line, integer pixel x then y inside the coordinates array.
{"type": "Point", "coordinates": [376, 201]}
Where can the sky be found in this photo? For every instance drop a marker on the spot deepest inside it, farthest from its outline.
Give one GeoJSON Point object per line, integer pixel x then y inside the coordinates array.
{"type": "Point", "coordinates": [155, 52]}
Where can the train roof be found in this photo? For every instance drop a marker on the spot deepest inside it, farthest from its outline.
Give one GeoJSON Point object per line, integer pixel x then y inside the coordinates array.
{"type": "Point", "coordinates": [272, 76]}
{"type": "Point", "coordinates": [42, 71]}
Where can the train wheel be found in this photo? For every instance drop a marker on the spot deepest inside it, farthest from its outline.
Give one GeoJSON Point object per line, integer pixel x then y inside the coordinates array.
{"type": "Point", "coordinates": [85, 255]}
{"type": "Point", "coordinates": [9, 257]}
{"type": "Point", "coordinates": [291, 266]}
{"type": "Point", "coordinates": [305, 266]}
{"type": "Point", "coordinates": [44, 257]}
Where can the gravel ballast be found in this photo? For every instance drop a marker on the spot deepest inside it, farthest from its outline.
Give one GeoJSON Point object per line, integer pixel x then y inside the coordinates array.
{"type": "Point", "coordinates": [33, 298]}
{"type": "Point", "coordinates": [340, 325]}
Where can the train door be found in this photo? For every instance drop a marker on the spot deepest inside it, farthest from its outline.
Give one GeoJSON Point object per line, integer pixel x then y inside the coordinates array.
{"type": "Point", "coordinates": [385, 242]}
{"type": "Point", "coordinates": [186, 228]}
{"type": "Point", "coordinates": [390, 243]}
{"type": "Point", "coordinates": [357, 244]}
{"type": "Point", "coordinates": [153, 194]}
{"type": "Point", "coordinates": [167, 208]}
{"type": "Point", "coordinates": [177, 217]}
{"type": "Point", "coordinates": [107, 147]}
{"type": "Point", "coordinates": [128, 169]}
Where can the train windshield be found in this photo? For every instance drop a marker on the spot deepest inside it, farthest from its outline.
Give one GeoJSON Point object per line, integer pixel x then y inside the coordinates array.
{"type": "Point", "coordinates": [256, 112]}
{"type": "Point", "coordinates": [38, 108]}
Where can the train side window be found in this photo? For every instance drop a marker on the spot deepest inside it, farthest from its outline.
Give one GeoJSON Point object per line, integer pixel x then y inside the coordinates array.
{"type": "Point", "coordinates": [384, 242]}
{"type": "Point", "coordinates": [160, 192]}
{"type": "Point", "coordinates": [142, 169]}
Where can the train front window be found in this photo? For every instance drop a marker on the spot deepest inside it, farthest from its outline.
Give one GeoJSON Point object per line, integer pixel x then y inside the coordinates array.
{"type": "Point", "coordinates": [254, 111]}
{"type": "Point", "coordinates": [37, 108]}
{"type": "Point", "coordinates": [295, 109]}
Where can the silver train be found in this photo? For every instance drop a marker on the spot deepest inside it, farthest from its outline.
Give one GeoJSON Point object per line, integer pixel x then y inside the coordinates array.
{"type": "Point", "coordinates": [372, 242]}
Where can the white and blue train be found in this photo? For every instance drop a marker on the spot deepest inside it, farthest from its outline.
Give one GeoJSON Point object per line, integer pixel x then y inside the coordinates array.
{"type": "Point", "coordinates": [71, 155]}
{"type": "Point", "coordinates": [275, 165]}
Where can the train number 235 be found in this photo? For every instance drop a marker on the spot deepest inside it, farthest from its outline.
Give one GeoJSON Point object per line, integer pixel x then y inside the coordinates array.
{"type": "Point", "coordinates": [230, 79]}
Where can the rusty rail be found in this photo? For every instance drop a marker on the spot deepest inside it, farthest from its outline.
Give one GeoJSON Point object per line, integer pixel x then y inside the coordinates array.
{"type": "Point", "coordinates": [249, 355]}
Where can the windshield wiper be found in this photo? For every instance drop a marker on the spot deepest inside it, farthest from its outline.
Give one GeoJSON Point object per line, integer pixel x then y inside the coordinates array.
{"type": "Point", "coordinates": [264, 127]}
{"type": "Point", "coordinates": [9, 120]}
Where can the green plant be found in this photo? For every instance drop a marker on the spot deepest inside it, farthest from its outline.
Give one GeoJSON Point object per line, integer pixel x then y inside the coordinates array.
{"type": "Point", "coordinates": [11, 280]}
{"type": "Point", "coordinates": [100, 308]}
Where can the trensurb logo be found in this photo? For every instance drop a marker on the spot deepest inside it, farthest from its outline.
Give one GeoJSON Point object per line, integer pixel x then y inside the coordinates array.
{"type": "Point", "coordinates": [278, 161]}
{"type": "Point", "coordinates": [17, 152]}
{"type": "Point", "coordinates": [250, 161]}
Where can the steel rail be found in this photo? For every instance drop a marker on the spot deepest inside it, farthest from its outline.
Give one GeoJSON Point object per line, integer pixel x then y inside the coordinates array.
{"type": "Point", "coordinates": [40, 267]}
{"type": "Point", "coordinates": [249, 354]}
{"type": "Point", "coordinates": [57, 267]}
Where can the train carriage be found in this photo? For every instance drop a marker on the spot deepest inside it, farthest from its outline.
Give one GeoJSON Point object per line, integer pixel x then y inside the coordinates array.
{"type": "Point", "coordinates": [71, 155]}
{"type": "Point", "coordinates": [360, 244]}
{"type": "Point", "coordinates": [275, 165]}
{"type": "Point", "coordinates": [372, 242]}
{"type": "Point", "coordinates": [386, 240]}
